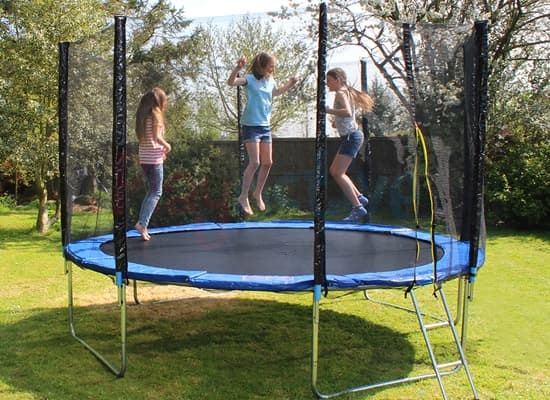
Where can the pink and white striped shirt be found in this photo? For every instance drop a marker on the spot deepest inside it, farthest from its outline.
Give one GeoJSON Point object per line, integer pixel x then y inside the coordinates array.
{"type": "Point", "coordinates": [150, 151]}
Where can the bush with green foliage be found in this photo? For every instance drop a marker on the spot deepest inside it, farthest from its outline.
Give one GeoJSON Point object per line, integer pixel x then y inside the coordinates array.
{"type": "Point", "coordinates": [7, 202]}
{"type": "Point", "coordinates": [279, 200]}
{"type": "Point", "coordinates": [200, 184]}
{"type": "Point", "coordinates": [517, 190]}
{"type": "Point", "coordinates": [518, 164]}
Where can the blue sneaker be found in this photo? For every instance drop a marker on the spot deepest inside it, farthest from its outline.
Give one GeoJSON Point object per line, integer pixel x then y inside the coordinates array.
{"type": "Point", "coordinates": [357, 214]}
{"type": "Point", "coordinates": [363, 200]}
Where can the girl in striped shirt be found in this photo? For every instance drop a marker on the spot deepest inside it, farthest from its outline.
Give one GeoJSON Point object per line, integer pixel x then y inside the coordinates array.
{"type": "Point", "coordinates": [152, 152]}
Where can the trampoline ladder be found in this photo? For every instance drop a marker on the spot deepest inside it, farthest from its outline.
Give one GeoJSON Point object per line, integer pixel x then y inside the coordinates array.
{"type": "Point", "coordinates": [440, 370]}
{"type": "Point", "coordinates": [118, 372]}
{"type": "Point", "coordinates": [459, 306]}
{"type": "Point", "coordinates": [447, 368]}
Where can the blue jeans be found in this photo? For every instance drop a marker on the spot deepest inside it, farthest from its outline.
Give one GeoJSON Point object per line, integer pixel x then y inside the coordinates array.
{"type": "Point", "coordinates": [154, 175]}
{"type": "Point", "coordinates": [351, 144]}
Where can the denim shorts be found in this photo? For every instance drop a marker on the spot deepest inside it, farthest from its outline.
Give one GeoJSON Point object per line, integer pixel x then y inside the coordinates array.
{"type": "Point", "coordinates": [256, 134]}
{"type": "Point", "coordinates": [350, 144]}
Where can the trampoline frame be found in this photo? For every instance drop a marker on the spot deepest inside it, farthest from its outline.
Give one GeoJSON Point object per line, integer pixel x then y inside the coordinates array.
{"type": "Point", "coordinates": [96, 254]}
{"type": "Point", "coordinates": [465, 282]}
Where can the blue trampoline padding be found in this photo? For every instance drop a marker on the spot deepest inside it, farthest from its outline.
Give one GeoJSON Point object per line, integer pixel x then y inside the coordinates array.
{"type": "Point", "coordinates": [278, 256]}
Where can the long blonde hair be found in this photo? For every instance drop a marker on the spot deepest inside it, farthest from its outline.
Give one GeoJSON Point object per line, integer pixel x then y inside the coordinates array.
{"type": "Point", "coordinates": [152, 104]}
{"type": "Point", "coordinates": [360, 99]}
{"type": "Point", "coordinates": [259, 64]}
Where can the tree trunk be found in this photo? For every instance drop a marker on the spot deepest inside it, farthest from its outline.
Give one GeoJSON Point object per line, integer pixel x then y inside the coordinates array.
{"type": "Point", "coordinates": [16, 186]}
{"type": "Point", "coordinates": [42, 192]}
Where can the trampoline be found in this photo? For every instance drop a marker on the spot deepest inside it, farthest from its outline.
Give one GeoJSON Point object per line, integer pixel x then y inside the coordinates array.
{"type": "Point", "coordinates": [294, 256]}
{"type": "Point", "coordinates": [277, 256]}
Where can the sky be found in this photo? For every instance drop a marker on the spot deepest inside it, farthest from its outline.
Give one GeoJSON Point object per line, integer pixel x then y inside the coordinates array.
{"type": "Point", "coordinates": [216, 8]}
{"type": "Point", "coordinates": [205, 10]}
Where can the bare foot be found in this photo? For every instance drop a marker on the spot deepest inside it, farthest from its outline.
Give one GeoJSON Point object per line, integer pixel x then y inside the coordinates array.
{"type": "Point", "coordinates": [260, 202]}
{"type": "Point", "coordinates": [143, 231]}
{"type": "Point", "coordinates": [243, 201]}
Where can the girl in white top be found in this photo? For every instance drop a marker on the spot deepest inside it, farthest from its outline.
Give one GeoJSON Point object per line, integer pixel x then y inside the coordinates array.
{"type": "Point", "coordinates": [345, 101]}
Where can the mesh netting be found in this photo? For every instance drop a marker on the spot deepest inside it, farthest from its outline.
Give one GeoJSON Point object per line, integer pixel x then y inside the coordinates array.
{"type": "Point", "coordinates": [88, 195]}
{"type": "Point", "coordinates": [421, 173]}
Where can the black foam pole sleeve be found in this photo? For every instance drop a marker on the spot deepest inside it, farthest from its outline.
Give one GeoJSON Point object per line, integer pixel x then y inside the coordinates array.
{"type": "Point", "coordinates": [119, 148]}
{"type": "Point", "coordinates": [319, 256]}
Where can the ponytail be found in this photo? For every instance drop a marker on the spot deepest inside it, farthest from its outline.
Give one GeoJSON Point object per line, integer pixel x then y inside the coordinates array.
{"type": "Point", "coordinates": [361, 99]}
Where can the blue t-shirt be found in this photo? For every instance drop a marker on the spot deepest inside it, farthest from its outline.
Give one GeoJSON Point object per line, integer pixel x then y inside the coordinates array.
{"type": "Point", "coordinates": [259, 95]}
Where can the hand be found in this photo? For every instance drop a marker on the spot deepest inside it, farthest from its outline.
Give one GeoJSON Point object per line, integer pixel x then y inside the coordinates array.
{"type": "Point", "coordinates": [241, 62]}
{"type": "Point", "coordinates": [167, 148]}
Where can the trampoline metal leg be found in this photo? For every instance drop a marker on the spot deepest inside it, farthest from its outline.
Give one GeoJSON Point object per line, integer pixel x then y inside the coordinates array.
{"type": "Point", "coordinates": [467, 298]}
{"type": "Point", "coordinates": [440, 370]}
{"type": "Point", "coordinates": [136, 299]}
{"type": "Point", "coordinates": [315, 342]}
{"type": "Point", "coordinates": [119, 372]}
{"type": "Point", "coordinates": [460, 299]}
{"type": "Point", "coordinates": [315, 362]}
{"type": "Point", "coordinates": [393, 305]}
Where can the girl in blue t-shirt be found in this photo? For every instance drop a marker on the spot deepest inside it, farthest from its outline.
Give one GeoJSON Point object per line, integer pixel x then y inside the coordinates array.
{"type": "Point", "coordinates": [255, 122]}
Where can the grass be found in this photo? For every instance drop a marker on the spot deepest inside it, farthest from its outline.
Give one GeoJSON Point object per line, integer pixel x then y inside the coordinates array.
{"type": "Point", "coordinates": [252, 345]}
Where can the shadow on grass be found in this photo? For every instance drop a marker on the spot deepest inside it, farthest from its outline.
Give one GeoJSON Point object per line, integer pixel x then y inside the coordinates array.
{"type": "Point", "coordinates": [209, 348]}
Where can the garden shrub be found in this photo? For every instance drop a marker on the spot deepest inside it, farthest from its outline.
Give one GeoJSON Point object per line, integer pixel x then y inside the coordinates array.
{"type": "Point", "coordinates": [517, 177]}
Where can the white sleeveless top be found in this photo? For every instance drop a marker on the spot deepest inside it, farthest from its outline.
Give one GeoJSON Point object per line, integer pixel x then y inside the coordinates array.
{"type": "Point", "coordinates": [346, 125]}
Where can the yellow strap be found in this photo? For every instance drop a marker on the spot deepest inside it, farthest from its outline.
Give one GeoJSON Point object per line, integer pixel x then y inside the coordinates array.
{"type": "Point", "coordinates": [420, 139]}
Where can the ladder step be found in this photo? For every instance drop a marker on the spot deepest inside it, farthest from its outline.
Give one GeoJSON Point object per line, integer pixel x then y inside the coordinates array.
{"type": "Point", "coordinates": [449, 364]}
{"type": "Point", "coordinates": [436, 325]}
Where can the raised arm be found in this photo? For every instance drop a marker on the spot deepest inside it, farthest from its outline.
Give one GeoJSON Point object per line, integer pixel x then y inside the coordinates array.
{"type": "Point", "coordinates": [235, 80]}
{"type": "Point", "coordinates": [280, 90]}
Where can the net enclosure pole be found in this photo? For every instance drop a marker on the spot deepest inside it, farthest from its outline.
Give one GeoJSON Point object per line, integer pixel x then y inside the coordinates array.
{"type": "Point", "coordinates": [320, 156]}
{"type": "Point", "coordinates": [119, 150]}
{"type": "Point", "coordinates": [242, 149]}
{"type": "Point", "coordinates": [119, 184]}
{"type": "Point", "coordinates": [62, 113]}
{"type": "Point", "coordinates": [319, 250]}
{"type": "Point", "coordinates": [119, 176]}
{"type": "Point", "coordinates": [475, 82]}
{"type": "Point", "coordinates": [366, 131]}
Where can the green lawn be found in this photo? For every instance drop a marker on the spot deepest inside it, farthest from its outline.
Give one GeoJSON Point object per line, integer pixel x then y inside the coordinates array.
{"type": "Point", "coordinates": [227, 345]}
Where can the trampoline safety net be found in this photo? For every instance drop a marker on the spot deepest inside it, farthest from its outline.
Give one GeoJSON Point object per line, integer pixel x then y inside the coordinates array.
{"type": "Point", "coordinates": [421, 166]}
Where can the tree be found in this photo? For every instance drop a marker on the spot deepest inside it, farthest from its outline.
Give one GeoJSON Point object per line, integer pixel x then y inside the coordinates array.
{"type": "Point", "coordinates": [519, 35]}
{"type": "Point", "coordinates": [518, 155]}
{"type": "Point", "coordinates": [216, 101]}
{"type": "Point", "coordinates": [518, 140]}
{"type": "Point", "coordinates": [156, 48]}
{"type": "Point", "coordinates": [29, 35]}
{"type": "Point", "coordinates": [519, 49]}
{"type": "Point", "coordinates": [385, 116]}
